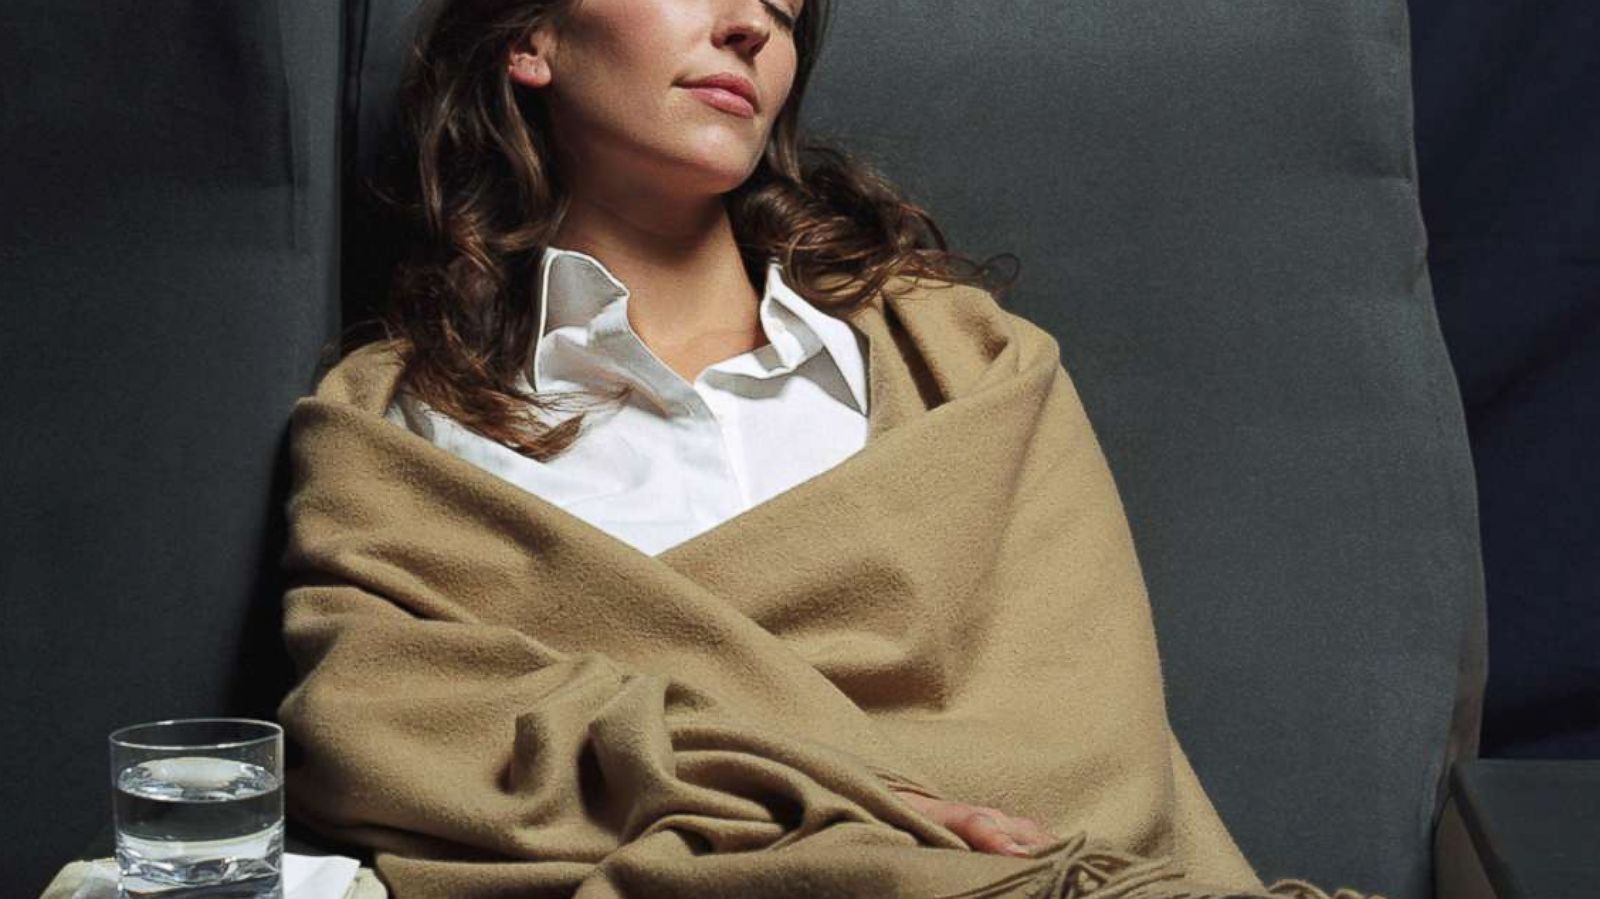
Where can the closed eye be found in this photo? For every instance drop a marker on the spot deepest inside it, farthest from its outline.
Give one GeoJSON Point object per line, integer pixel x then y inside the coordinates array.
{"type": "Point", "coordinates": [783, 17]}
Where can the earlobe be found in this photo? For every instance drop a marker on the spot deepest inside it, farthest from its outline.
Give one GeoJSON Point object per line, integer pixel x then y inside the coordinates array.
{"type": "Point", "coordinates": [528, 69]}
{"type": "Point", "coordinates": [529, 61]}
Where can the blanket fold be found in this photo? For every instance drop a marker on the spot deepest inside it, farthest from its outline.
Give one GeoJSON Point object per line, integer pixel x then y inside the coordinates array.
{"type": "Point", "coordinates": [503, 700]}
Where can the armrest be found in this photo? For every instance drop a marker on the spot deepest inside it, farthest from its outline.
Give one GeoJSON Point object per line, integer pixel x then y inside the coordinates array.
{"type": "Point", "coordinates": [1520, 829]}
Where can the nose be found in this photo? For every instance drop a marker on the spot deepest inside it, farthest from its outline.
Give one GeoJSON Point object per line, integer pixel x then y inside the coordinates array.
{"type": "Point", "coordinates": [746, 29]}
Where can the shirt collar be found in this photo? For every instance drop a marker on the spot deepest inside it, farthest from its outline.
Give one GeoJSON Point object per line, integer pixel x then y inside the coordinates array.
{"type": "Point", "coordinates": [576, 288]}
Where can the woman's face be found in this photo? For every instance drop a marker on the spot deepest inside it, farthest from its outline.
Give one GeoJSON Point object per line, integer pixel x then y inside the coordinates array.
{"type": "Point", "coordinates": [613, 79]}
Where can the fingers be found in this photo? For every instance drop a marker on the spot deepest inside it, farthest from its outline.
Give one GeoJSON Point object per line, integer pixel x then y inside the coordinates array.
{"type": "Point", "coordinates": [985, 834]}
{"type": "Point", "coordinates": [985, 829]}
{"type": "Point", "coordinates": [1024, 831]}
{"type": "Point", "coordinates": [1028, 832]}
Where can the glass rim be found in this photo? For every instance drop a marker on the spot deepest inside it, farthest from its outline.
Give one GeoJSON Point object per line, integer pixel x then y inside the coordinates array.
{"type": "Point", "coordinates": [276, 731]}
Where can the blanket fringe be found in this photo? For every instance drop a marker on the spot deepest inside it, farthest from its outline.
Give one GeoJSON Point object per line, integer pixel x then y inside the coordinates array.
{"type": "Point", "coordinates": [1089, 871]}
{"type": "Point", "coordinates": [1098, 872]}
{"type": "Point", "coordinates": [1299, 889]}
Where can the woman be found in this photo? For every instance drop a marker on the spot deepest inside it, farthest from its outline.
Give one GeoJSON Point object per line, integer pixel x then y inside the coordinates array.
{"type": "Point", "coordinates": [834, 597]}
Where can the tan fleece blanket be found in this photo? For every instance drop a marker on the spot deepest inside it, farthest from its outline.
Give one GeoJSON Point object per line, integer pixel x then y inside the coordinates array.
{"type": "Point", "coordinates": [503, 700]}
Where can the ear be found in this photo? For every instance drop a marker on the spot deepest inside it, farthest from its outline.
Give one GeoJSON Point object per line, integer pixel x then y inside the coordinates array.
{"type": "Point", "coordinates": [528, 63]}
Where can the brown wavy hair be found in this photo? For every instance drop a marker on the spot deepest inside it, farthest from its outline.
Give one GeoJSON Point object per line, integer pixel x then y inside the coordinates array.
{"type": "Point", "coordinates": [480, 199]}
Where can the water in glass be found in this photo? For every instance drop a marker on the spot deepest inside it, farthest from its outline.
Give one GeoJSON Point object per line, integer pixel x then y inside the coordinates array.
{"type": "Point", "coordinates": [199, 826]}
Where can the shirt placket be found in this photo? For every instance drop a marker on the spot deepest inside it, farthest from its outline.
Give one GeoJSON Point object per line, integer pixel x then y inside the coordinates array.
{"type": "Point", "coordinates": [704, 419]}
{"type": "Point", "coordinates": [724, 419]}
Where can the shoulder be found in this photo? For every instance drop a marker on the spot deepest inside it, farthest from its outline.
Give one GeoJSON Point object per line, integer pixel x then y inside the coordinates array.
{"type": "Point", "coordinates": [965, 314]}
{"type": "Point", "coordinates": [959, 337]}
{"type": "Point", "coordinates": [366, 377]}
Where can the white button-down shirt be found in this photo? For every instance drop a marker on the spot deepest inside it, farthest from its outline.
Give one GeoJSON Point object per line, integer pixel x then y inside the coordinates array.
{"type": "Point", "coordinates": [677, 458]}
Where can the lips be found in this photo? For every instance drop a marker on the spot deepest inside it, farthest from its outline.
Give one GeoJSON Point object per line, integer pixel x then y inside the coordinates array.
{"type": "Point", "coordinates": [726, 91]}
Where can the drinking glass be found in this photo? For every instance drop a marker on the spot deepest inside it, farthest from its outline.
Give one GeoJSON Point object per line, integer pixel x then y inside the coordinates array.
{"type": "Point", "coordinates": [198, 808]}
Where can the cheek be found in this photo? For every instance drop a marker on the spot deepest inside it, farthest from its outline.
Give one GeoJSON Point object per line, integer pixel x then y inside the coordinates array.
{"type": "Point", "coordinates": [781, 69]}
{"type": "Point", "coordinates": [622, 52]}
{"type": "Point", "coordinates": [643, 40]}
{"type": "Point", "coordinates": [781, 88]}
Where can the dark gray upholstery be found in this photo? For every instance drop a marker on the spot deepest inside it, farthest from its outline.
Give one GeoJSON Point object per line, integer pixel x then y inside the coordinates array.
{"type": "Point", "coordinates": [1215, 208]}
{"type": "Point", "coordinates": [168, 267]}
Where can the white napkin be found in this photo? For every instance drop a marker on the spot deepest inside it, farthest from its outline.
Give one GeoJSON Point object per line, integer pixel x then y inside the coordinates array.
{"type": "Point", "coordinates": [304, 877]}
{"type": "Point", "coordinates": [318, 876]}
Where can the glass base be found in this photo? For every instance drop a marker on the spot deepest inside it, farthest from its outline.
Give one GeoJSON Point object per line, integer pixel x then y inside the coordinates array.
{"type": "Point", "coordinates": [246, 868]}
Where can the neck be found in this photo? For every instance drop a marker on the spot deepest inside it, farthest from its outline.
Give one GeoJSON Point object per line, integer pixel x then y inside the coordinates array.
{"type": "Point", "coordinates": [685, 277]}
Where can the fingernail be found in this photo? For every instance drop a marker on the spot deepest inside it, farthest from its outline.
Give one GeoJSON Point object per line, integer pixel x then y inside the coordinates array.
{"type": "Point", "coordinates": [1015, 848]}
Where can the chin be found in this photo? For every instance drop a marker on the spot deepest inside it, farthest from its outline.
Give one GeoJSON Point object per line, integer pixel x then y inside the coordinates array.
{"type": "Point", "coordinates": [713, 178]}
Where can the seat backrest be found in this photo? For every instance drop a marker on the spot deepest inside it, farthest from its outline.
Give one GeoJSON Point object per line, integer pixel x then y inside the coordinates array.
{"type": "Point", "coordinates": [1215, 207]}
{"type": "Point", "coordinates": [1216, 212]}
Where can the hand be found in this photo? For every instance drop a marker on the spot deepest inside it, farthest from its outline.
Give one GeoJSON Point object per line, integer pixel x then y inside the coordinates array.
{"type": "Point", "coordinates": [984, 829]}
